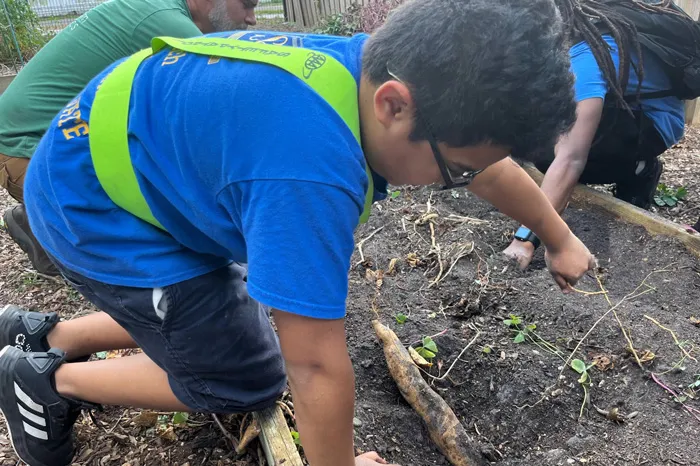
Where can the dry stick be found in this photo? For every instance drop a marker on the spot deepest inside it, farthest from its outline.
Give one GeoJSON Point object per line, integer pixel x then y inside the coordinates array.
{"type": "Point", "coordinates": [673, 334]}
{"type": "Point", "coordinates": [436, 249]}
{"type": "Point", "coordinates": [444, 376]}
{"type": "Point", "coordinates": [227, 434]}
{"type": "Point", "coordinates": [359, 245]}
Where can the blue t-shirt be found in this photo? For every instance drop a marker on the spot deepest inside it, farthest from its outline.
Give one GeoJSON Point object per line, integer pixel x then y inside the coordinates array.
{"type": "Point", "coordinates": [668, 113]}
{"type": "Point", "coordinates": [238, 161]}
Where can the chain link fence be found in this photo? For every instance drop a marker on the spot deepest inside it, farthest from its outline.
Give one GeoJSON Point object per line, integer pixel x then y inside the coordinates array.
{"type": "Point", "coordinates": [26, 25]}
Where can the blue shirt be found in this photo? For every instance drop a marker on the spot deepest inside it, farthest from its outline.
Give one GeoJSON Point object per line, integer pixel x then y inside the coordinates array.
{"type": "Point", "coordinates": [668, 114]}
{"type": "Point", "coordinates": [238, 161]}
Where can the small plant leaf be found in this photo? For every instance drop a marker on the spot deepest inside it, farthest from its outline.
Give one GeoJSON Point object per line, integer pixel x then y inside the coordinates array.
{"type": "Point", "coordinates": [180, 418]}
{"type": "Point", "coordinates": [101, 355]}
{"type": "Point", "coordinates": [681, 193]}
{"type": "Point", "coordinates": [670, 201]}
{"type": "Point", "coordinates": [584, 378]}
{"type": "Point", "coordinates": [519, 338]}
{"type": "Point", "coordinates": [487, 350]}
{"type": "Point", "coordinates": [508, 322]}
{"type": "Point", "coordinates": [430, 345]}
{"type": "Point", "coordinates": [531, 327]}
{"type": "Point", "coordinates": [426, 353]}
{"type": "Point", "coordinates": [418, 359]}
{"type": "Point", "coordinates": [295, 437]}
{"type": "Point", "coordinates": [395, 194]}
{"type": "Point", "coordinates": [579, 366]}
{"type": "Point", "coordinates": [659, 202]}
{"type": "Point", "coordinates": [401, 318]}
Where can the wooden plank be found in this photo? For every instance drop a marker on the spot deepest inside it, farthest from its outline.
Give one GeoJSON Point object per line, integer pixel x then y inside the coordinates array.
{"type": "Point", "coordinates": [276, 439]}
{"type": "Point", "coordinates": [654, 224]}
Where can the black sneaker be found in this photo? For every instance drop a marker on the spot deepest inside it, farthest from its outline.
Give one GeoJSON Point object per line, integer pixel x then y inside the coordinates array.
{"type": "Point", "coordinates": [639, 190]}
{"type": "Point", "coordinates": [27, 331]}
{"type": "Point", "coordinates": [17, 225]}
{"type": "Point", "coordinates": [39, 420]}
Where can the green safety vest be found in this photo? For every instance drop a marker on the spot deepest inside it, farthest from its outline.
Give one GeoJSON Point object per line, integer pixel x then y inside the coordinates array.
{"type": "Point", "coordinates": [109, 143]}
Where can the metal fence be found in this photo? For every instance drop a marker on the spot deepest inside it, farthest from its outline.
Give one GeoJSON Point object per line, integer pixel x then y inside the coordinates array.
{"type": "Point", "coordinates": [26, 25]}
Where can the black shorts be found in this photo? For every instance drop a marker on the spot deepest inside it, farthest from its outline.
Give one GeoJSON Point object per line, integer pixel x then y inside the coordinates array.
{"type": "Point", "coordinates": [216, 344]}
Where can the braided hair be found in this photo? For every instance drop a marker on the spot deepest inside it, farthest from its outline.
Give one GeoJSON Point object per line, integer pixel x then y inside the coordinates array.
{"type": "Point", "coordinates": [584, 20]}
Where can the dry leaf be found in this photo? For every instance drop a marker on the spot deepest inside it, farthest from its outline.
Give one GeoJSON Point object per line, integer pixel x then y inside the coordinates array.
{"type": "Point", "coordinates": [418, 359]}
{"type": "Point", "coordinates": [146, 419]}
{"type": "Point", "coordinates": [168, 434]}
{"type": "Point", "coordinates": [412, 259]}
{"type": "Point", "coordinates": [695, 321]}
{"type": "Point", "coordinates": [251, 433]}
{"type": "Point", "coordinates": [603, 362]}
{"type": "Point", "coordinates": [392, 266]}
{"type": "Point", "coordinates": [647, 356]}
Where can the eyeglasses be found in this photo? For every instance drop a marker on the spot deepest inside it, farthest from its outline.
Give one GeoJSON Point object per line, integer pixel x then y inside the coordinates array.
{"type": "Point", "coordinates": [461, 180]}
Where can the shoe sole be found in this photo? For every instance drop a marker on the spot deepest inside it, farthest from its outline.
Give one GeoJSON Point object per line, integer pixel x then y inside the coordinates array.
{"type": "Point", "coordinates": [25, 243]}
{"type": "Point", "coordinates": [8, 382]}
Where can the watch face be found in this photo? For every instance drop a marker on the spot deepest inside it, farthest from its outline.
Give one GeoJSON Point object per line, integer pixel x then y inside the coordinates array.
{"type": "Point", "coordinates": [522, 233]}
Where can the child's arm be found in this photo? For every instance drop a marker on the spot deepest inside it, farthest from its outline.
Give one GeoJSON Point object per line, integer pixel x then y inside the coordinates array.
{"type": "Point", "coordinates": [513, 192]}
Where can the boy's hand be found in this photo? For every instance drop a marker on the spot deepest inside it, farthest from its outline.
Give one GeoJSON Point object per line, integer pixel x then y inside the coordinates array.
{"type": "Point", "coordinates": [370, 458]}
{"type": "Point", "coordinates": [521, 252]}
{"type": "Point", "coordinates": [569, 262]}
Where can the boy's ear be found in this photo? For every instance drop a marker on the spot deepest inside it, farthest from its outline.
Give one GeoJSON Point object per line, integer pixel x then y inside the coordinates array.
{"type": "Point", "coordinates": [393, 104]}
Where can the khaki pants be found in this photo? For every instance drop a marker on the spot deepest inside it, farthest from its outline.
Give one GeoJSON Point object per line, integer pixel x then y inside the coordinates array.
{"type": "Point", "coordinates": [12, 171]}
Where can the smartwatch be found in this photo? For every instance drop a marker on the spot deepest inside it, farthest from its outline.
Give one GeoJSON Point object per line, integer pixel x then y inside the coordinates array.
{"type": "Point", "coordinates": [525, 234]}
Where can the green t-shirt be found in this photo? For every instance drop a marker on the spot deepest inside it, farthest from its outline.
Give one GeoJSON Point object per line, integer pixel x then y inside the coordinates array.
{"type": "Point", "coordinates": [108, 32]}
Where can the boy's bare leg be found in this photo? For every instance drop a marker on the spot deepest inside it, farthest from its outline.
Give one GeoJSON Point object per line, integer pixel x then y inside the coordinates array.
{"type": "Point", "coordinates": [129, 381]}
{"type": "Point", "coordinates": [89, 334]}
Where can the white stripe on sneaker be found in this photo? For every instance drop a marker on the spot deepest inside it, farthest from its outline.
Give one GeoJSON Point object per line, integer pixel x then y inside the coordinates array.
{"type": "Point", "coordinates": [31, 417]}
{"type": "Point", "coordinates": [34, 432]}
{"type": "Point", "coordinates": [24, 398]}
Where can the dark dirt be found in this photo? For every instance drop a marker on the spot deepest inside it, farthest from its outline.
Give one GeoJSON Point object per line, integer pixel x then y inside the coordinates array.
{"type": "Point", "coordinates": [490, 391]}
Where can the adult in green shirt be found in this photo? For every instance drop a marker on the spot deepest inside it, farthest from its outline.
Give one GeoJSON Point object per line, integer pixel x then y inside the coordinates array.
{"type": "Point", "coordinates": [61, 69]}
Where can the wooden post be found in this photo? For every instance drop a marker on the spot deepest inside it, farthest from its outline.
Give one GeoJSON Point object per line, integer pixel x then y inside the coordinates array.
{"type": "Point", "coordinates": [276, 439]}
{"type": "Point", "coordinates": [692, 109]}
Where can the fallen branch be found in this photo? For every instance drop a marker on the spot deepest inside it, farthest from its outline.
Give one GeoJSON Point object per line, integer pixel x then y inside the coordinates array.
{"type": "Point", "coordinates": [276, 439]}
{"type": "Point", "coordinates": [443, 426]}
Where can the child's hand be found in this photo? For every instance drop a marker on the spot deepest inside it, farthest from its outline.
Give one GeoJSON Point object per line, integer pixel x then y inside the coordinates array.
{"type": "Point", "coordinates": [569, 262]}
{"type": "Point", "coordinates": [370, 458]}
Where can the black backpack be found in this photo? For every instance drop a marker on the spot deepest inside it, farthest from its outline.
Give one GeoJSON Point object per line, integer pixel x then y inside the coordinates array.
{"type": "Point", "coordinates": [673, 39]}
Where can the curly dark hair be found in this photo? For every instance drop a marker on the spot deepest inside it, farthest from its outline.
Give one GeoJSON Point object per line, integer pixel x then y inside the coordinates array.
{"type": "Point", "coordinates": [480, 71]}
{"type": "Point", "coordinates": [586, 20]}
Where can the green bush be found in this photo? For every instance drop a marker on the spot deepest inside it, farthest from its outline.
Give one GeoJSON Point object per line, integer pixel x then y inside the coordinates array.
{"type": "Point", "coordinates": [27, 31]}
{"type": "Point", "coordinates": [342, 24]}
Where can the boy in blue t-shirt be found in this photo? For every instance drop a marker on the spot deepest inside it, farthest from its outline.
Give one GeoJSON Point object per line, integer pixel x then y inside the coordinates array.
{"type": "Point", "coordinates": [616, 139]}
{"type": "Point", "coordinates": [244, 163]}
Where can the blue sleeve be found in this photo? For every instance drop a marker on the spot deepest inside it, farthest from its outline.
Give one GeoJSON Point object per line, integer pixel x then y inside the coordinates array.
{"type": "Point", "coordinates": [590, 82]}
{"type": "Point", "coordinates": [299, 239]}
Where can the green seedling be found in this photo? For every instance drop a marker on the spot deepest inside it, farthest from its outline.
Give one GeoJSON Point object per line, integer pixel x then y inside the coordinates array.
{"type": "Point", "coordinates": [524, 331]}
{"type": "Point", "coordinates": [428, 349]}
{"type": "Point", "coordinates": [296, 438]}
{"type": "Point", "coordinates": [669, 197]}
{"type": "Point", "coordinates": [395, 194]}
{"type": "Point", "coordinates": [401, 318]}
{"type": "Point", "coordinates": [180, 418]}
{"type": "Point", "coordinates": [585, 381]}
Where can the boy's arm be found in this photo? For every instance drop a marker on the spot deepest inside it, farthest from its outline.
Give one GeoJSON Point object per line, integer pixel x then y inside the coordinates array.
{"type": "Point", "coordinates": [513, 192]}
{"type": "Point", "coordinates": [323, 386]}
{"type": "Point", "coordinates": [571, 155]}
